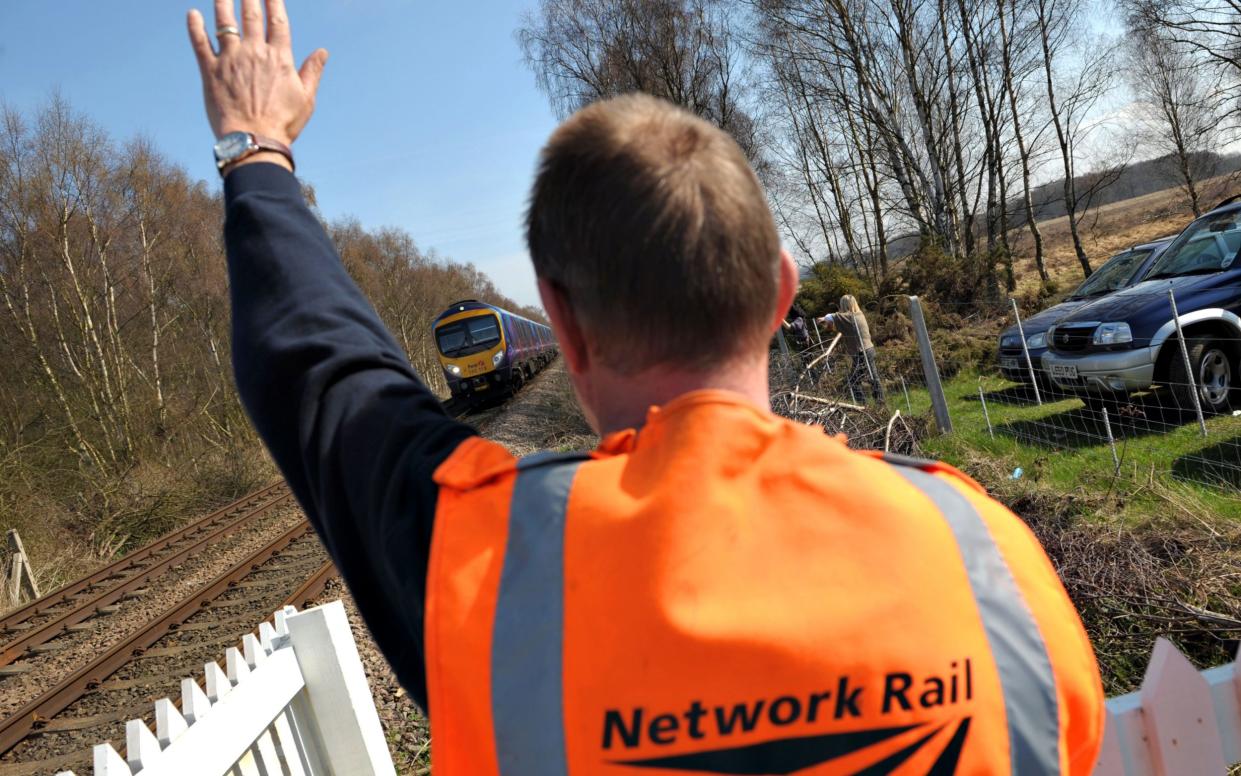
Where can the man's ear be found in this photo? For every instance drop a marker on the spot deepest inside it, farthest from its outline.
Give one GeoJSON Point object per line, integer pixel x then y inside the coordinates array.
{"type": "Point", "coordinates": [789, 278]}
{"type": "Point", "coordinates": [565, 326]}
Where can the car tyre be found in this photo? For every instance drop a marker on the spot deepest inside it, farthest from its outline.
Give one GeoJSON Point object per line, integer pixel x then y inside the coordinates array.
{"type": "Point", "coordinates": [1214, 376]}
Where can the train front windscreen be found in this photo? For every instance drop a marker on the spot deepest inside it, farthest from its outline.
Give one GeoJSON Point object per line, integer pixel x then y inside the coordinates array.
{"type": "Point", "coordinates": [471, 335]}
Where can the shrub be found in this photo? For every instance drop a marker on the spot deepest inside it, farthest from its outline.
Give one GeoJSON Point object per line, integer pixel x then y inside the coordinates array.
{"type": "Point", "coordinates": [820, 293]}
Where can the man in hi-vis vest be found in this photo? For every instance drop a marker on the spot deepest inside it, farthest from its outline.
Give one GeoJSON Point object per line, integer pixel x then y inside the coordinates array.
{"type": "Point", "coordinates": [714, 589]}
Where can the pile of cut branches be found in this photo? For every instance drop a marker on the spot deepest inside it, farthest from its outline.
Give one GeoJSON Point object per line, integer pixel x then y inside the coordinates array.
{"type": "Point", "coordinates": [867, 426]}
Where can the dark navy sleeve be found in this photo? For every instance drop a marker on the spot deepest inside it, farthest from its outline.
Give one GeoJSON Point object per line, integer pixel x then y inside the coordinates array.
{"type": "Point", "coordinates": [355, 432]}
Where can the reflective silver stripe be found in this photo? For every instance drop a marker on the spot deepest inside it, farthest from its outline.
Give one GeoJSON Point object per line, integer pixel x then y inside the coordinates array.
{"type": "Point", "coordinates": [1026, 677]}
{"type": "Point", "coordinates": [527, 635]}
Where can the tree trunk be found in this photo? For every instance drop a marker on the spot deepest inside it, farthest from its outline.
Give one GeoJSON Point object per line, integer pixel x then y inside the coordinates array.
{"type": "Point", "coordinates": [1066, 153]}
{"type": "Point", "coordinates": [1022, 152]}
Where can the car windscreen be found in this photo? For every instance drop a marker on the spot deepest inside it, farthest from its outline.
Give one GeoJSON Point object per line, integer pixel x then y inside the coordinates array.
{"type": "Point", "coordinates": [1209, 244]}
{"type": "Point", "coordinates": [461, 338]}
{"type": "Point", "coordinates": [1114, 275]}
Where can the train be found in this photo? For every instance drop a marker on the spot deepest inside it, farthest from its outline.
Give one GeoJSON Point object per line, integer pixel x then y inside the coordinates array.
{"type": "Point", "coordinates": [486, 351]}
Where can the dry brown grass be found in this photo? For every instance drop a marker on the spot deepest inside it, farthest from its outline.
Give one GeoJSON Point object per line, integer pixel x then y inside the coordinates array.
{"type": "Point", "coordinates": [1111, 228]}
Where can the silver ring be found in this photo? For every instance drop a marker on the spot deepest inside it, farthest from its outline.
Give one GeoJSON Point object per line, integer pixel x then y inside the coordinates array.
{"type": "Point", "coordinates": [220, 32]}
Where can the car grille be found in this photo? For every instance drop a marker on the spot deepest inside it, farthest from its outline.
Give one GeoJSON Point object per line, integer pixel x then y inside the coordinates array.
{"type": "Point", "coordinates": [1071, 339]}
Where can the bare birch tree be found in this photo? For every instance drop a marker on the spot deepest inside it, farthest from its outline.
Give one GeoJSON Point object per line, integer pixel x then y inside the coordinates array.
{"type": "Point", "coordinates": [1176, 105]}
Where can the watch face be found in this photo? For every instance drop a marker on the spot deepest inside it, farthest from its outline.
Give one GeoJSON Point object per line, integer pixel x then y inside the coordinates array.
{"type": "Point", "coordinates": [231, 146]}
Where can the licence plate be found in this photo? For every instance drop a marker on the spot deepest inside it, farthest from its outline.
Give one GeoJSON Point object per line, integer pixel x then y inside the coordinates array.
{"type": "Point", "coordinates": [1010, 362]}
{"type": "Point", "coordinates": [1064, 370]}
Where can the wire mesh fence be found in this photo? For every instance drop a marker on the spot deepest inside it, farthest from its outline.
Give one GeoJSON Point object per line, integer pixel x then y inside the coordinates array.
{"type": "Point", "coordinates": [1178, 420]}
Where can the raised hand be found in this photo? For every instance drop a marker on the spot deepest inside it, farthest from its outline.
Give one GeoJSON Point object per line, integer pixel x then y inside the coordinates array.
{"type": "Point", "coordinates": [252, 84]}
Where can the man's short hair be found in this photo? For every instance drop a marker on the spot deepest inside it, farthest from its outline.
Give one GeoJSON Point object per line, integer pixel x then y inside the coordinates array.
{"type": "Point", "coordinates": [652, 223]}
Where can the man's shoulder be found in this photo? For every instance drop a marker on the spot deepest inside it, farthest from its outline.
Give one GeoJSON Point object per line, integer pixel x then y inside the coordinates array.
{"type": "Point", "coordinates": [475, 461]}
{"type": "Point", "coordinates": [927, 465]}
{"type": "Point", "coordinates": [478, 461]}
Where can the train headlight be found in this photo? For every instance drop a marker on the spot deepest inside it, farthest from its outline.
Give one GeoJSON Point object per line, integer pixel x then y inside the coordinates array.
{"type": "Point", "coordinates": [453, 369]}
{"type": "Point", "coordinates": [497, 359]}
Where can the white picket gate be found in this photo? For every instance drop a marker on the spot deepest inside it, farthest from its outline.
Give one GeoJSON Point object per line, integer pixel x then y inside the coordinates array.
{"type": "Point", "coordinates": [1180, 722]}
{"type": "Point", "coordinates": [294, 700]}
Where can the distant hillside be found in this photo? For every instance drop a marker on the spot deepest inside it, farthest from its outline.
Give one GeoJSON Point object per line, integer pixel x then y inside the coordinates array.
{"type": "Point", "coordinates": [1135, 180]}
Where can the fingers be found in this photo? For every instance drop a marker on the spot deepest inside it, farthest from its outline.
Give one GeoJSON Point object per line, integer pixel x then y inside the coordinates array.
{"type": "Point", "coordinates": [278, 33]}
{"type": "Point", "coordinates": [199, 40]}
{"type": "Point", "coordinates": [312, 71]}
{"type": "Point", "coordinates": [251, 20]}
{"type": "Point", "coordinates": [224, 18]}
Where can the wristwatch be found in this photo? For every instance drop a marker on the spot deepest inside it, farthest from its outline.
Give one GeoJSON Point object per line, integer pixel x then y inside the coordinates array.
{"type": "Point", "coordinates": [236, 146]}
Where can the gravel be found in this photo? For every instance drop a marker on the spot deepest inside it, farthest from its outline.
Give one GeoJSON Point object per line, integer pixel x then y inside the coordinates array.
{"type": "Point", "coordinates": [282, 574]}
{"type": "Point", "coordinates": [81, 647]}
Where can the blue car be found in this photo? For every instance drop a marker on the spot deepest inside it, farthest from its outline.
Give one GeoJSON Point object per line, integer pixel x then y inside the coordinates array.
{"type": "Point", "coordinates": [1121, 271]}
{"type": "Point", "coordinates": [1127, 342]}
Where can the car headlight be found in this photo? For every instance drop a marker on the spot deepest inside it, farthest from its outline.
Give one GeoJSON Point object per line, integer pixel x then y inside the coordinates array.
{"type": "Point", "coordinates": [1010, 341]}
{"type": "Point", "coordinates": [497, 358]}
{"type": "Point", "coordinates": [1112, 334]}
{"type": "Point", "coordinates": [1037, 341]}
{"type": "Point", "coordinates": [453, 369]}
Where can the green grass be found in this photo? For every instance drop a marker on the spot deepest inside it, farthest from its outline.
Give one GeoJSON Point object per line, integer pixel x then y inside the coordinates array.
{"type": "Point", "coordinates": [1062, 446]}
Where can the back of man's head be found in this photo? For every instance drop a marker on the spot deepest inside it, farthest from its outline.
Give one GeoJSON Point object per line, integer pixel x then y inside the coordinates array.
{"type": "Point", "coordinates": [652, 224]}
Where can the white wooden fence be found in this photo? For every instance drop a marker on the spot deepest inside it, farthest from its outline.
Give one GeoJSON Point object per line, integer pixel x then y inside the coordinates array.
{"type": "Point", "coordinates": [1180, 722]}
{"type": "Point", "coordinates": [293, 701]}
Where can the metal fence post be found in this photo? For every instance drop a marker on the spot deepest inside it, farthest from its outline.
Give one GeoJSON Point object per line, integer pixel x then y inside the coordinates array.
{"type": "Point", "coordinates": [929, 369]}
{"type": "Point", "coordinates": [985, 414]}
{"type": "Point", "coordinates": [1111, 440]}
{"type": "Point", "coordinates": [1189, 369]}
{"type": "Point", "coordinates": [1021, 332]}
{"type": "Point", "coordinates": [908, 404]}
{"type": "Point", "coordinates": [784, 348]}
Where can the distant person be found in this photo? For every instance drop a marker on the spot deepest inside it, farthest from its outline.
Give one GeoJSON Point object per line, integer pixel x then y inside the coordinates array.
{"type": "Point", "coordinates": [850, 321]}
{"type": "Point", "coordinates": [797, 328]}
{"type": "Point", "coordinates": [683, 598]}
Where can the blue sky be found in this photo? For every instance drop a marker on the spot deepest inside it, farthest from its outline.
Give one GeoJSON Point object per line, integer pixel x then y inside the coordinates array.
{"type": "Point", "coordinates": [427, 117]}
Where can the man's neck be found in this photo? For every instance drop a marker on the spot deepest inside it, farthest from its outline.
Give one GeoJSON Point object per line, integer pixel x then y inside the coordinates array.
{"type": "Point", "coordinates": [621, 401]}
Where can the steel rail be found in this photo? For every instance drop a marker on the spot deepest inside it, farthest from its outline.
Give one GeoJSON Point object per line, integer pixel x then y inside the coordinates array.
{"type": "Point", "coordinates": [16, 727]}
{"type": "Point", "coordinates": [64, 593]}
{"type": "Point", "coordinates": [87, 608]}
{"type": "Point", "coordinates": [312, 587]}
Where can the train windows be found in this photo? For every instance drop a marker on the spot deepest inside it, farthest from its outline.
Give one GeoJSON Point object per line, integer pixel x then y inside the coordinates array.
{"type": "Point", "coordinates": [461, 338]}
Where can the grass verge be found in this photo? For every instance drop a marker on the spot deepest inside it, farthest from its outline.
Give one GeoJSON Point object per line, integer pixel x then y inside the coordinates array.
{"type": "Point", "coordinates": [1144, 550]}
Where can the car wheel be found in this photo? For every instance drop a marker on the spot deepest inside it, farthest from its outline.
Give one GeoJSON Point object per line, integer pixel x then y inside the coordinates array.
{"type": "Point", "coordinates": [1213, 375]}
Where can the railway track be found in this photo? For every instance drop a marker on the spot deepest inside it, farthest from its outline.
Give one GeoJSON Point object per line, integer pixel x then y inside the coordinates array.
{"type": "Point", "coordinates": [56, 730]}
{"type": "Point", "coordinates": [24, 631]}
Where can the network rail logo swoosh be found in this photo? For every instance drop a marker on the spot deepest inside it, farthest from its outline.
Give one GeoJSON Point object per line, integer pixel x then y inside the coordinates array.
{"type": "Point", "coordinates": [790, 755]}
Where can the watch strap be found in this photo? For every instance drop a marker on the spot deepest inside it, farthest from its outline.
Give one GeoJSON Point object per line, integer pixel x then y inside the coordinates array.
{"type": "Point", "coordinates": [267, 144]}
{"type": "Point", "coordinates": [260, 143]}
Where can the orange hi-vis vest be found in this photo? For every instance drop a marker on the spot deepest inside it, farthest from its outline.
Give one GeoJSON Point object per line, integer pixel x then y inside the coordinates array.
{"type": "Point", "coordinates": [730, 592]}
